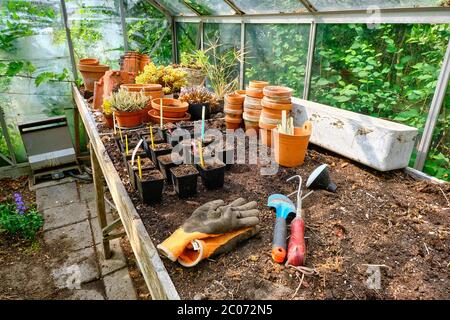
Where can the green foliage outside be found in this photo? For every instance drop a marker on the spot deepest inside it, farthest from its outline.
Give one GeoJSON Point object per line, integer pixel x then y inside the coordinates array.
{"type": "Point", "coordinates": [18, 220]}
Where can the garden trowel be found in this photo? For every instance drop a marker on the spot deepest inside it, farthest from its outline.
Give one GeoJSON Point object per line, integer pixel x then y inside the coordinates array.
{"type": "Point", "coordinates": [283, 207]}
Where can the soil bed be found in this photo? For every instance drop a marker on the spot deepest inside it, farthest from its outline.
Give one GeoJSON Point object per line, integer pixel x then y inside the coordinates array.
{"type": "Point", "coordinates": [383, 219]}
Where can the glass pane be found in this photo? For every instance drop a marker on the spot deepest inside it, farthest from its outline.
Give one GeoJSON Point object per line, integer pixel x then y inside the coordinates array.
{"type": "Point", "coordinates": [389, 72]}
{"type": "Point", "coordinates": [270, 6]}
{"type": "Point", "coordinates": [277, 53]}
{"type": "Point", "coordinates": [96, 30]}
{"type": "Point", "coordinates": [188, 37]}
{"type": "Point", "coordinates": [176, 7]}
{"type": "Point", "coordinates": [148, 31]}
{"type": "Point", "coordinates": [227, 35]}
{"type": "Point", "coordinates": [438, 160]}
{"type": "Point", "coordinates": [31, 88]}
{"type": "Point", "coordinates": [210, 7]}
{"type": "Point", "coordinates": [330, 5]}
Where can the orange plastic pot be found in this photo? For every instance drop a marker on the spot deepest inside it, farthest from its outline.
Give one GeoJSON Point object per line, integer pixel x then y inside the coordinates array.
{"type": "Point", "coordinates": [129, 119]}
{"type": "Point", "coordinates": [258, 84]}
{"type": "Point", "coordinates": [290, 150]}
{"type": "Point", "coordinates": [275, 105]}
{"type": "Point", "coordinates": [89, 61]}
{"type": "Point", "coordinates": [91, 73]}
{"type": "Point", "coordinates": [234, 98]}
{"type": "Point", "coordinates": [172, 108]}
{"type": "Point", "coordinates": [277, 92]}
{"type": "Point", "coordinates": [155, 117]}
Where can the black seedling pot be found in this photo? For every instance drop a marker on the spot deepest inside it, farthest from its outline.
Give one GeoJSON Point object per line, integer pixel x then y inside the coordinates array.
{"type": "Point", "coordinates": [160, 150]}
{"type": "Point", "coordinates": [195, 109]}
{"type": "Point", "coordinates": [127, 157]}
{"type": "Point", "coordinates": [134, 171]}
{"type": "Point", "coordinates": [150, 187]}
{"type": "Point", "coordinates": [147, 143]}
{"type": "Point", "coordinates": [185, 185]}
{"type": "Point", "coordinates": [212, 176]}
{"type": "Point", "coordinates": [162, 133]}
{"type": "Point", "coordinates": [227, 157]}
{"type": "Point", "coordinates": [165, 165]}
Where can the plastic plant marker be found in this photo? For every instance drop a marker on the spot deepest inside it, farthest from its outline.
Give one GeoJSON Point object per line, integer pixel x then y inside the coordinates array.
{"type": "Point", "coordinates": [161, 114]}
{"type": "Point", "coordinates": [151, 137]}
{"type": "Point", "coordinates": [133, 155]}
{"type": "Point", "coordinates": [139, 167]}
{"type": "Point", "coordinates": [126, 145]}
{"type": "Point", "coordinates": [203, 123]}
{"type": "Point", "coordinates": [200, 154]}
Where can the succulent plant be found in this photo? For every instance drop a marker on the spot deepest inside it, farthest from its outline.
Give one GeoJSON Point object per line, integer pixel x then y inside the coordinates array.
{"type": "Point", "coordinates": [171, 78]}
{"type": "Point", "coordinates": [126, 101]}
{"type": "Point", "coordinates": [198, 94]}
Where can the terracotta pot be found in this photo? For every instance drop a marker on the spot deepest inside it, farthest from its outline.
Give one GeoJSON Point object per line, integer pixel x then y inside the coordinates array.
{"type": "Point", "coordinates": [136, 87]}
{"type": "Point", "coordinates": [154, 115]}
{"type": "Point", "coordinates": [233, 108]}
{"type": "Point", "coordinates": [251, 122]}
{"type": "Point", "coordinates": [277, 92]}
{"type": "Point", "coordinates": [234, 98]}
{"type": "Point", "coordinates": [145, 60]}
{"type": "Point", "coordinates": [109, 120]}
{"type": "Point", "coordinates": [134, 62]}
{"type": "Point", "coordinates": [267, 103]}
{"type": "Point", "coordinates": [290, 150]}
{"type": "Point", "coordinates": [89, 61]}
{"type": "Point", "coordinates": [172, 108]}
{"type": "Point", "coordinates": [91, 73]}
{"type": "Point", "coordinates": [253, 113]}
{"type": "Point", "coordinates": [254, 93]}
{"type": "Point", "coordinates": [270, 116]}
{"type": "Point", "coordinates": [241, 92]}
{"type": "Point", "coordinates": [109, 83]}
{"type": "Point", "coordinates": [235, 117]}
{"type": "Point", "coordinates": [129, 119]}
{"type": "Point", "coordinates": [258, 84]}
{"type": "Point", "coordinates": [233, 122]}
{"type": "Point", "coordinates": [265, 132]}
{"type": "Point", "coordinates": [144, 113]}
{"type": "Point", "coordinates": [232, 126]}
{"type": "Point", "coordinates": [98, 95]}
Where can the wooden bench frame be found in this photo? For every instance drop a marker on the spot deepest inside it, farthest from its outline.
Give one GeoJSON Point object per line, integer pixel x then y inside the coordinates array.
{"type": "Point", "coordinates": [152, 268]}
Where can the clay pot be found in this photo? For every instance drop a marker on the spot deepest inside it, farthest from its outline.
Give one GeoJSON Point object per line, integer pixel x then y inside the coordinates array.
{"type": "Point", "coordinates": [270, 116]}
{"type": "Point", "coordinates": [241, 92]}
{"type": "Point", "coordinates": [129, 119]}
{"type": "Point", "coordinates": [254, 93]}
{"type": "Point", "coordinates": [98, 95]}
{"type": "Point", "coordinates": [290, 150]}
{"type": "Point", "coordinates": [145, 60]}
{"type": "Point", "coordinates": [277, 92]}
{"type": "Point", "coordinates": [134, 62]}
{"type": "Point", "coordinates": [251, 122]}
{"type": "Point", "coordinates": [258, 84]}
{"type": "Point", "coordinates": [146, 88]}
{"type": "Point", "coordinates": [234, 98]}
{"type": "Point", "coordinates": [265, 132]}
{"type": "Point", "coordinates": [89, 61]}
{"type": "Point", "coordinates": [91, 73]}
{"type": "Point", "coordinates": [233, 108]}
{"type": "Point", "coordinates": [172, 108]}
{"type": "Point", "coordinates": [233, 122]}
{"type": "Point", "coordinates": [109, 120]}
{"type": "Point", "coordinates": [110, 81]}
{"type": "Point", "coordinates": [273, 104]}
{"type": "Point", "coordinates": [155, 117]}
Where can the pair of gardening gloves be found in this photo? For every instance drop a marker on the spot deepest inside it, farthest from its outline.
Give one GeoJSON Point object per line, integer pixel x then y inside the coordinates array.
{"type": "Point", "coordinates": [212, 229]}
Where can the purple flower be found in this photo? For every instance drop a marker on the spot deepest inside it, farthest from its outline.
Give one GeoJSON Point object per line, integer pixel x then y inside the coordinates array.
{"type": "Point", "coordinates": [20, 205]}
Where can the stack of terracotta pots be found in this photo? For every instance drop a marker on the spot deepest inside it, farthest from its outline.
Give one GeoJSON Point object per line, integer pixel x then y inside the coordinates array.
{"type": "Point", "coordinates": [91, 70]}
{"type": "Point", "coordinates": [252, 105]}
{"type": "Point", "coordinates": [174, 110]}
{"type": "Point", "coordinates": [134, 62]}
{"type": "Point", "coordinates": [109, 83]}
{"type": "Point", "coordinates": [275, 100]}
{"type": "Point", "coordinates": [150, 90]}
{"type": "Point", "coordinates": [233, 109]}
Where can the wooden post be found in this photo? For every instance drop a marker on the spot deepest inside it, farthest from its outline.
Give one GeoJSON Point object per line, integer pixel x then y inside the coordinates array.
{"type": "Point", "coordinates": [100, 200]}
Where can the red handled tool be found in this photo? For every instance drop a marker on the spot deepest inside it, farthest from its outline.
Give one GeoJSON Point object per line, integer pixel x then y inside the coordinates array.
{"type": "Point", "coordinates": [296, 253]}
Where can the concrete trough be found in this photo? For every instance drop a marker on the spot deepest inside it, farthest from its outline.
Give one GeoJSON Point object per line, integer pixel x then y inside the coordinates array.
{"type": "Point", "coordinates": [380, 144]}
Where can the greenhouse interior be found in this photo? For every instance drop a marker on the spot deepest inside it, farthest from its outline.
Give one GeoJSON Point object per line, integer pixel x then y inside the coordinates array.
{"type": "Point", "coordinates": [224, 149]}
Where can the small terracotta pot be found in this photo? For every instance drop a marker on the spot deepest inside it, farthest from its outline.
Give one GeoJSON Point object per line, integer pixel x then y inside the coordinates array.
{"type": "Point", "coordinates": [172, 108]}
{"type": "Point", "coordinates": [89, 61]}
{"type": "Point", "coordinates": [241, 92]}
{"type": "Point", "coordinates": [232, 126]}
{"type": "Point", "coordinates": [155, 117]}
{"type": "Point", "coordinates": [258, 84]}
{"type": "Point", "coordinates": [290, 150]}
{"type": "Point", "coordinates": [233, 108]}
{"type": "Point", "coordinates": [136, 87]}
{"type": "Point", "coordinates": [270, 116]}
{"type": "Point", "coordinates": [129, 119]}
{"type": "Point", "coordinates": [267, 103]}
{"type": "Point", "coordinates": [254, 93]}
{"type": "Point", "coordinates": [251, 121]}
{"type": "Point", "coordinates": [134, 62]}
{"type": "Point", "coordinates": [253, 113]}
{"type": "Point", "coordinates": [98, 95]}
{"type": "Point", "coordinates": [91, 73]}
{"type": "Point", "coordinates": [277, 92]}
{"type": "Point", "coordinates": [234, 98]}
{"type": "Point", "coordinates": [232, 122]}
{"type": "Point", "coordinates": [109, 120]}
{"type": "Point", "coordinates": [265, 132]}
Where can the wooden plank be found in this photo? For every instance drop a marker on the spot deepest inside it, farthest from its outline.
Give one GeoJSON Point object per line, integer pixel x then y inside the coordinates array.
{"type": "Point", "coordinates": [150, 264]}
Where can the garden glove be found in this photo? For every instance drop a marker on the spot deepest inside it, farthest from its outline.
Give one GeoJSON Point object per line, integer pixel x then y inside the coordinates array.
{"type": "Point", "coordinates": [212, 219]}
{"type": "Point", "coordinates": [199, 250]}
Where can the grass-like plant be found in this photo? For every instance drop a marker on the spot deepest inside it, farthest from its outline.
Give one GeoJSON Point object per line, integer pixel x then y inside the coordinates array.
{"type": "Point", "coordinates": [126, 101]}
{"type": "Point", "coordinates": [18, 220]}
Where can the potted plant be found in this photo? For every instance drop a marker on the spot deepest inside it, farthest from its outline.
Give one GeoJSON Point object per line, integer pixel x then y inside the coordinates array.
{"type": "Point", "coordinates": [290, 143]}
{"type": "Point", "coordinates": [150, 186]}
{"type": "Point", "coordinates": [146, 164]}
{"type": "Point", "coordinates": [91, 71]}
{"type": "Point", "coordinates": [198, 97]}
{"type": "Point", "coordinates": [108, 113]}
{"type": "Point", "coordinates": [170, 78]}
{"type": "Point", "coordinates": [128, 107]}
{"type": "Point", "coordinates": [184, 179]}
{"type": "Point", "coordinates": [166, 162]}
{"type": "Point", "coordinates": [194, 65]}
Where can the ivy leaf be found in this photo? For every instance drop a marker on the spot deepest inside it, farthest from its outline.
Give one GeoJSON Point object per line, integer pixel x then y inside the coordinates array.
{"type": "Point", "coordinates": [14, 67]}
{"type": "Point", "coordinates": [43, 78]}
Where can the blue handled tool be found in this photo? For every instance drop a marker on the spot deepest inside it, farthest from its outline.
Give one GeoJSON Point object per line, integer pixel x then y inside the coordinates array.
{"type": "Point", "coordinates": [283, 207]}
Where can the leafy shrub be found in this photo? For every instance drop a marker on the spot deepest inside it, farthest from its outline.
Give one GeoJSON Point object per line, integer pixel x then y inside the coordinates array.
{"type": "Point", "coordinates": [17, 219]}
